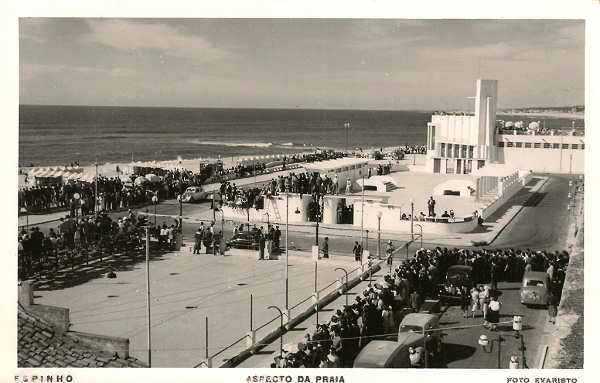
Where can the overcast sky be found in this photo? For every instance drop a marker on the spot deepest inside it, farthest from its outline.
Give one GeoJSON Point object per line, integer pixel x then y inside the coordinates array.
{"type": "Point", "coordinates": [305, 63]}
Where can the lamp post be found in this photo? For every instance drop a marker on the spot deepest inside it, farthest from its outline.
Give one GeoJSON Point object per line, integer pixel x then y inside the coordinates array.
{"type": "Point", "coordinates": [148, 295]}
{"type": "Point", "coordinates": [281, 329]}
{"type": "Point", "coordinates": [484, 342]}
{"type": "Point", "coordinates": [362, 211]}
{"type": "Point", "coordinates": [346, 284]}
{"type": "Point", "coordinates": [268, 222]}
{"type": "Point", "coordinates": [24, 211]}
{"type": "Point", "coordinates": [96, 190]}
{"type": "Point", "coordinates": [347, 129]}
{"type": "Point", "coordinates": [412, 214]}
{"type": "Point", "coordinates": [154, 202]}
{"type": "Point", "coordinates": [379, 214]}
{"type": "Point", "coordinates": [421, 233]}
{"type": "Point", "coordinates": [318, 218]}
{"type": "Point", "coordinates": [180, 196]}
{"type": "Point", "coordinates": [287, 226]}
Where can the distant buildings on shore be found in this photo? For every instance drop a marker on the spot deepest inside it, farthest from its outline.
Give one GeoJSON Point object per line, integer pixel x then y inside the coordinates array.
{"type": "Point", "coordinates": [461, 143]}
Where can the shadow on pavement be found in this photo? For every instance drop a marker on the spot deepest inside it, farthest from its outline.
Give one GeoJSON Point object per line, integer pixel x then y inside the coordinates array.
{"type": "Point", "coordinates": [453, 352]}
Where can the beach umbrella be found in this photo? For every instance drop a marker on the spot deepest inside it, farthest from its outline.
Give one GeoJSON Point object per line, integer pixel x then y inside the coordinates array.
{"type": "Point", "coordinates": [153, 178]}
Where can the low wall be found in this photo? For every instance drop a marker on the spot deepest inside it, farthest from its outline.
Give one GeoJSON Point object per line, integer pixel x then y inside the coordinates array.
{"type": "Point", "coordinates": [508, 190]}
{"type": "Point", "coordinates": [274, 210]}
{"type": "Point", "coordinates": [273, 335]}
{"type": "Point", "coordinates": [105, 343]}
{"type": "Point", "coordinates": [390, 220]}
{"type": "Point", "coordinates": [57, 316]}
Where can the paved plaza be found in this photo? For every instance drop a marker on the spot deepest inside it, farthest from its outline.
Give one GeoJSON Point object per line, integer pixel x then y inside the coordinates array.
{"type": "Point", "coordinates": [185, 289]}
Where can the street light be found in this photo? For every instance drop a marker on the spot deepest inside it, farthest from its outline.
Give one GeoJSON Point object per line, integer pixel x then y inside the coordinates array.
{"type": "Point", "coordinates": [281, 329]}
{"type": "Point", "coordinates": [379, 214]}
{"type": "Point", "coordinates": [362, 212]}
{"type": "Point", "coordinates": [346, 284]}
{"type": "Point", "coordinates": [412, 214]}
{"type": "Point", "coordinates": [154, 202]}
{"type": "Point", "coordinates": [421, 232]}
{"type": "Point", "coordinates": [267, 214]}
{"type": "Point", "coordinates": [347, 129]}
{"type": "Point", "coordinates": [484, 342]}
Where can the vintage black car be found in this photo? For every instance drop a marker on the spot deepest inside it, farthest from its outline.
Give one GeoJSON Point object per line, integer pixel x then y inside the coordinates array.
{"type": "Point", "coordinates": [244, 240]}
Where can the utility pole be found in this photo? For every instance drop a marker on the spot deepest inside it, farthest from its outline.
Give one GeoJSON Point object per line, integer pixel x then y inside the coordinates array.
{"type": "Point", "coordinates": [362, 212]}
{"type": "Point", "coordinates": [148, 294]}
{"type": "Point", "coordinates": [287, 232]}
{"type": "Point", "coordinates": [96, 190]}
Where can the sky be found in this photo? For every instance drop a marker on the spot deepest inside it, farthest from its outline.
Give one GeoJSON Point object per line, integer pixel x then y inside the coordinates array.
{"type": "Point", "coordinates": [299, 63]}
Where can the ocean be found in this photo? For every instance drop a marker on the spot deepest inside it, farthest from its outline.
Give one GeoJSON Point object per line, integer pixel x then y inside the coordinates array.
{"type": "Point", "coordinates": [60, 135]}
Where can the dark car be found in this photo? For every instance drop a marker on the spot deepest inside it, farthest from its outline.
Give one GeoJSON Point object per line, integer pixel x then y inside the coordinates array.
{"type": "Point", "coordinates": [460, 275]}
{"type": "Point", "coordinates": [457, 276]}
{"type": "Point", "coordinates": [244, 240]}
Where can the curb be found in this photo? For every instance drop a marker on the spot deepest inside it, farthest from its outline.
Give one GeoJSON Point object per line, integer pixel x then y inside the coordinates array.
{"type": "Point", "coordinates": [273, 335]}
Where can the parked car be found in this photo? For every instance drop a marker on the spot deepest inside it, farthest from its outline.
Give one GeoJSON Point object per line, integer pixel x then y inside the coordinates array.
{"type": "Point", "coordinates": [395, 354]}
{"type": "Point", "coordinates": [456, 277]}
{"type": "Point", "coordinates": [243, 240]}
{"type": "Point", "coordinates": [535, 288]}
{"type": "Point", "coordinates": [194, 194]}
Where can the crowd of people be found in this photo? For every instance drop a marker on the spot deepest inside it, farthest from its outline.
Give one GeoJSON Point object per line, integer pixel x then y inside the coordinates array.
{"type": "Point", "coordinates": [413, 149]}
{"type": "Point", "coordinates": [35, 248]}
{"type": "Point", "coordinates": [113, 193]}
{"type": "Point", "coordinates": [378, 311]}
{"type": "Point", "coordinates": [256, 167]}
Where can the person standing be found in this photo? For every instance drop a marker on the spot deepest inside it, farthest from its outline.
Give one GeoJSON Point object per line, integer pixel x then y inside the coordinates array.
{"type": "Point", "coordinates": [357, 250]}
{"type": "Point", "coordinates": [325, 247]}
{"type": "Point", "coordinates": [197, 241]}
{"type": "Point", "coordinates": [431, 206]}
{"type": "Point", "coordinates": [390, 252]}
{"type": "Point", "coordinates": [415, 301]}
{"type": "Point", "coordinates": [261, 246]}
{"type": "Point", "coordinates": [474, 301]}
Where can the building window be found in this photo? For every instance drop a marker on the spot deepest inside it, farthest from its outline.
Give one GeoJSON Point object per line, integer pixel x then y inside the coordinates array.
{"type": "Point", "coordinates": [449, 166]}
{"type": "Point", "coordinates": [470, 151]}
{"type": "Point", "coordinates": [463, 150]}
{"type": "Point", "coordinates": [443, 149]}
{"type": "Point", "coordinates": [528, 144]}
{"type": "Point", "coordinates": [537, 145]}
{"type": "Point", "coordinates": [565, 146]}
{"type": "Point", "coordinates": [555, 146]}
{"type": "Point", "coordinates": [509, 144]}
{"type": "Point", "coordinates": [456, 150]}
{"type": "Point", "coordinates": [582, 146]}
{"type": "Point", "coordinates": [575, 146]}
{"type": "Point", "coordinates": [480, 164]}
{"type": "Point", "coordinates": [518, 144]}
{"type": "Point", "coordinates": [432, 144]}
{"type": "Point", "coordinates": [501, 144]}
{"type": "Point", "coordinates": [468, 165]}
{"type": "Point", "coordinates": [546, 145]}
{"type": "Point", "coordinates": [449, 153]}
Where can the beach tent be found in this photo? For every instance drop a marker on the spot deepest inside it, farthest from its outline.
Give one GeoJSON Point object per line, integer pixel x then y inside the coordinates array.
{"type": "Point", "coordinates": [152, 178]}
{"type": "Point", "coordinates": [54, 173]}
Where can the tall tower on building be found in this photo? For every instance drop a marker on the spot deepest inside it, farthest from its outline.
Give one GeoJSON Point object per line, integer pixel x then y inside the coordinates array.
{"type": "Point", "coordinates": [486, 101]}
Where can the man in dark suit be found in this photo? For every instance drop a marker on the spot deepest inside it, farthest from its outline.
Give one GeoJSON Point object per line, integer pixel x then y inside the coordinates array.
{"type": "Point", "coordinates": [261, 246]}
{"type": "Point", "coordinates": [415, 301]}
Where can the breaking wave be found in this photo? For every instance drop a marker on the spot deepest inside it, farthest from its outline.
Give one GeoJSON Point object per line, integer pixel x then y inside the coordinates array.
{"type": "Point", "coordinates": [222, 143]}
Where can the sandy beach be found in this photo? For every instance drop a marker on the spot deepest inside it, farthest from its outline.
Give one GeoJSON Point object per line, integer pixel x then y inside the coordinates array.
{"type": "Point", "coordinates": [110, 169]}
{"type": "Point", "coordinates": [572, 116]}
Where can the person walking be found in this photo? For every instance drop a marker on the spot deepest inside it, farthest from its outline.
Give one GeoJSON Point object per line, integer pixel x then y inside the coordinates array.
{"type": "Point", "coordinates": [474, 301]}
{"type": "Point", "coordinates": [465, 301]}
{"type": "Point", "coordinates": [483, 302]}
{"type": "Point", "coordinates": [493, 316]}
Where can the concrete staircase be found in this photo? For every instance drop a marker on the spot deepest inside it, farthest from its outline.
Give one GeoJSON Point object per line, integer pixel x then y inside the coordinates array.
{"type": "Point", "coordinates": [389, 186]}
